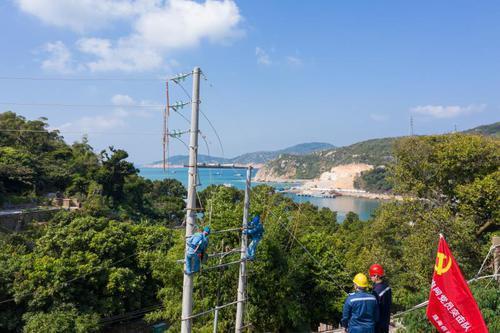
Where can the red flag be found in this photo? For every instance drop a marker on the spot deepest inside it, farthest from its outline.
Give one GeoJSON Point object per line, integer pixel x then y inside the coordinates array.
{"type": "Point", "coordinates": [452, 308]}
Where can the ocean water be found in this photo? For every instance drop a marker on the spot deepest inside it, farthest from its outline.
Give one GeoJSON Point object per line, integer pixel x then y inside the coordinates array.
{"type": "Point", "coordinates": [235, 177]}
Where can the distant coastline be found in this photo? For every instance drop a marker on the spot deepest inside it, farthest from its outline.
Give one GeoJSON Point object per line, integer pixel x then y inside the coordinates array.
{"type": "Point", "coordinates": [304, 187]}
{"type": "Point", "coordinates": [180, 166]}
{"type": "Point", "coordinates": [339, 181]}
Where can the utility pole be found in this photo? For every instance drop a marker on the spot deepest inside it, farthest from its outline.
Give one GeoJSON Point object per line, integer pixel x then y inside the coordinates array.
{"type": "Point", "coordinates": [496, 256]}
{"type": "Point", "coordinates": [411, 125]}
{"type": "Point", "coordinates": [242, 281]}
{"type": "Point", "coordinates": [187, 289]}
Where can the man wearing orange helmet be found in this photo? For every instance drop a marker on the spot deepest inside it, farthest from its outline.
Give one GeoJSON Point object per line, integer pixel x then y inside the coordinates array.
{"type": "Point", "coordinates": [384, 296]}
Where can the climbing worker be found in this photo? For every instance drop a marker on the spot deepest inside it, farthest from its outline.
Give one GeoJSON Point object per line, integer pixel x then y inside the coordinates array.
{"type": "Point", "coordinates": [254, 230]}
{"type": "Point", "coordinates": [384, 296]}
{"type": "Point", "coordinates": [360, 311]}
{"type": "Point", "coordinates": [196, 246]}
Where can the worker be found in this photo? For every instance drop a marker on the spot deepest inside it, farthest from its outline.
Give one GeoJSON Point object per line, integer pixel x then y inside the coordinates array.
{"type": "Point", "coordinates": [360, 311]}
{"type": "Point", "coordinates": [254, 230]}
{"type": "Point", "coordinates": [196, 246]}
{"type": "Point", "coordinates": [384, 296]}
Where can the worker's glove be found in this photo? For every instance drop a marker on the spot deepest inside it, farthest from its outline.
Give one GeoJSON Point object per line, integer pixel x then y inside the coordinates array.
{"type": "Point", "coordinates": [204, 258]}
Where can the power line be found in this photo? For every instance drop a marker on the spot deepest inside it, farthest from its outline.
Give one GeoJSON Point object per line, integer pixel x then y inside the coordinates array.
{"type": "Point", "coordinates": [85, 105]}
{"type": "Point", "coordinates": [171, 134]}
{"type": "Point", "coordinates": [138, 79]}
{"type": "Point", "coordinates": [312, 257]}
{"type": "Point", "coordinates": [39, 78]}
{"type": "Point", "coordinates": [215, 131]}
{"type": "Point", "coordinates": [204, 116]}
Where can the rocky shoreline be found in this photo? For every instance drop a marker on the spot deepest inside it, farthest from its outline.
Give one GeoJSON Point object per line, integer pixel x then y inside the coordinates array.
{"type": "Point", "coordinates": [338, 181]}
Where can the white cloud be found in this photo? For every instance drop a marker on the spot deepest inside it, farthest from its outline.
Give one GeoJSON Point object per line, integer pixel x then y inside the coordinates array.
{"type": "Point", "coordinates": [120, 99]}
{"type": "Point", "coordinates": [111, 121]}
{"type": "Point", "coordinates": [183, 23]}
{"type": "Point", "coordinates": [82, 15]}
{"type": "Point", "coordinates": [117, 119]}
{"type": "Point", "coordinates": [124, 55]}
{"type": "Point", "coordinates": [126, 107]}
{"type": "Point", "coordinates": [262, 56]}
{"type": "Point", "coordinates": [158, 27]}
{"type": "Point", "coordinates": [293, 61]}
{"type": "Point", "coordinates": [378, 117]}
{"type": "Point", "coordinates": [441, 111]}
{"type": "Point", "coordinates": [59, 60]}
{"type": "Point", "coordinates": [94, 124]}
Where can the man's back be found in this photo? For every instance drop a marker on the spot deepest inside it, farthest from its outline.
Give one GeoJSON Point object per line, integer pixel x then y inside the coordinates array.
{"type": "Point", "coordinates": [360, 312]}
{"type": "Point", "coordinates": [384, 296]}
{"type": "Point", "coordinates": [197, 241]}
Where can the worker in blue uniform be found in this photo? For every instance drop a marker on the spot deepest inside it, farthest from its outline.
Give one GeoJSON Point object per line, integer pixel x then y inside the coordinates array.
{"type": "Point", "coordinates": [196, 247]}
{"type": "Point", "coordinates": [255, 231]}
{"type": "Point", "coordinates": [360, 313]}
{"type": "Point", "coordinates": [384, 296]}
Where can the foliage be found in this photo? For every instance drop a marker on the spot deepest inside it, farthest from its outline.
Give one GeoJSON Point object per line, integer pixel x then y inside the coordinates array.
{"type": "Point", "coordinates": [459, 171]}
{"type": "Point", "coordinates": [374, 180]}
{"type": "Point", "coordinates": [36, 161]}
{"type": "Point", "coordinates": [434, 166]}
{"type": "Point", "coordinates": [80, 268]}
{"type": "Point", "coordinates": [117, 255]}
{"type": "Point", "coordinates": [491, 129]}
{"type": "Point", "coordinates": [308, 293]}
{"type": "Point", "coordinates": [374, 152]}
{"type": "Point", "coordinates": [32, 158]}
{"type": "Point", "coordinates": [67, 319]}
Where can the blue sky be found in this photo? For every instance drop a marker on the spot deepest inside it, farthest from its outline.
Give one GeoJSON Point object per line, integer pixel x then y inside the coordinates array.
{"type": "Point", "coordinates": [279, 72]}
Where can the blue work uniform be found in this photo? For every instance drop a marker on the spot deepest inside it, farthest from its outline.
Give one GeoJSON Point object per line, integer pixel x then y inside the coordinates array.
{"type": "Point", "coordinates": [196, 247]}
{"type": "Point", "coordinates": [360, 312]}
{"type": "Point", "coordinates": [255, 230]}
{"type": "Point", "coordinates": [384, 296]}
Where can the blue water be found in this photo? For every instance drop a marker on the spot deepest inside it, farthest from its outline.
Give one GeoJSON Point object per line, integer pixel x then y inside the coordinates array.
{"type": "Point", "coordinates": [342, 205]}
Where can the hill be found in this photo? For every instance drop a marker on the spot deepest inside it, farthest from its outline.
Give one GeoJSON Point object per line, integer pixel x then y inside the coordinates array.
{"type": "Point", "coordinates": [491, 129]}
{"type": "Point", "coordinates": [259, 157]}
{"type": "Point", "coordinates": [374, 152]}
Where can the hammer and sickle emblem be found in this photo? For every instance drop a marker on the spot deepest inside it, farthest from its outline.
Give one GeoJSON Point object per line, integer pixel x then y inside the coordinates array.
{"type": "Point", "coordinates": [440, 268]}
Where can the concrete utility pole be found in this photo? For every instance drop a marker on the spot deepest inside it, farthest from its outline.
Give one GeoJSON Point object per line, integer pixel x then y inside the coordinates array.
{"type": "Point", "coordinates": [187, 290]}
{"type": "Point", "coordinates": [242, 281]}
{"type": "Point", "coordinates": [496, 256]}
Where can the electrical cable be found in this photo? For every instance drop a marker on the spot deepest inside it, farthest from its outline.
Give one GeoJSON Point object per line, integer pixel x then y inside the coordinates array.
{"type": "Point", "coordinates": [146, 106]}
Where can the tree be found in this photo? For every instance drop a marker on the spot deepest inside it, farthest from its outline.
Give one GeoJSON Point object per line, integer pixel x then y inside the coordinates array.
{"type": "Point", "coordinates": [433, 167]}
{"type": "Point", "coordinates": [113, 173]}
{"type": "Point", "coordinates": [85, 267]}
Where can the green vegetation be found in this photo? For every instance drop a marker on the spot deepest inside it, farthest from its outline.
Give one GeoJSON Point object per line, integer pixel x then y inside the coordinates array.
{"type": "Point", "coordinates": [491, 129]}
{"type": "Point", "coordinates": [374, 152]}
{"type": "Point", "coordinates": [374, 180]}
{"type": "Point", "coordinates": [35, 161]}
{"type": "Point", "coordinates": [377, 152]}
{"type": "Point", "coordinates": [119, 253]}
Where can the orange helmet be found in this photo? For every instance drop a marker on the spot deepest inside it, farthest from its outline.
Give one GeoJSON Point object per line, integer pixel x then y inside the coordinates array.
{"type": "Point", "coordinates": [376, 269]}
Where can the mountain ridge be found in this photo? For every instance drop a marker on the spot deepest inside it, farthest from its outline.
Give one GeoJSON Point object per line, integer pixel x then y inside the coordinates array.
{"type": "Point", "coordinates": [257, 157]}
{"type": "Point", "coordinates": [373, 152]}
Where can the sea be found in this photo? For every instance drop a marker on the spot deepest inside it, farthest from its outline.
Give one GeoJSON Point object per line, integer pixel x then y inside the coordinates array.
{"type": "Point", "coordinates": [236, 177]}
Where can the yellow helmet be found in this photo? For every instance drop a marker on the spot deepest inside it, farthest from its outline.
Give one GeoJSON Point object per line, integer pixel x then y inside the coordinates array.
{"type": "Point", "coordinates": [361, 280]}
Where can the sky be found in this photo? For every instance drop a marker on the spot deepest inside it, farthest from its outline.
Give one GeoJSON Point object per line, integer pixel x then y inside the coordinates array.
{"type": "Point", "coordinates": [277, 73]}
